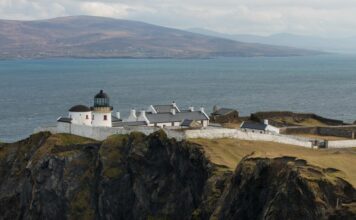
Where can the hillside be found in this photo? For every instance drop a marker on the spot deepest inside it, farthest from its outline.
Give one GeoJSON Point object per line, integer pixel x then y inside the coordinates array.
{"type": "Point", "coordinates": [98, 37]}
{"type": "Point", "coordinates": [152, 177]}
{"type": "Point", "coordinates": [345, 45]}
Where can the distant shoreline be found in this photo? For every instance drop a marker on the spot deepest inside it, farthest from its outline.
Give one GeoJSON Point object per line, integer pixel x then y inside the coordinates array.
{"type": "Point", "coordinates": [165, 58]}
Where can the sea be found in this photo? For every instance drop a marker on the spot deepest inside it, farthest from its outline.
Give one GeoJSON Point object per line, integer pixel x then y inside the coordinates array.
{"type": "Point", "coordinates": [34, 93]}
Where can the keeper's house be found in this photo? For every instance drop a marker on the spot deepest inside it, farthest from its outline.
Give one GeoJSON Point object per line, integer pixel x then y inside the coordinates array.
{"type": "Point", "coordinates": [100, 115]}
{"type": "Point", "coordinates": [262, 128]}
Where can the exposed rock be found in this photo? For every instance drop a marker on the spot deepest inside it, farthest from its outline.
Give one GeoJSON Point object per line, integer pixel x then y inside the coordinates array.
{"type": "Point", "coordinates": [284, 188]}
{"type": "Point", "coordinates": [152, 177]}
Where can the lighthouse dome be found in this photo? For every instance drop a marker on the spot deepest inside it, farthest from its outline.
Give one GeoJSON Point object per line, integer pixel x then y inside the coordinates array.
{"type": "Point", "coordinates": [101, 99]}
{"type": "Point", "coordinates": [101, 95]}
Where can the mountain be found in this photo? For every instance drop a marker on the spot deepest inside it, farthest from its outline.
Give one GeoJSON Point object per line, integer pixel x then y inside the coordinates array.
{"type": "Point", "coordinates": [345, 45]}
{"type": "Point", "coordinates": [92, 37]}
{"type": "Point", "coordinates": [135, 176]}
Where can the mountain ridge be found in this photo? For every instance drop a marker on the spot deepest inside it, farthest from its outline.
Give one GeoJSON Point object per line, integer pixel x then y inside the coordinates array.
{"type": "Point", "coordinates": [100, 37]}
{"type": "Point", "coordinates": [345, 45]}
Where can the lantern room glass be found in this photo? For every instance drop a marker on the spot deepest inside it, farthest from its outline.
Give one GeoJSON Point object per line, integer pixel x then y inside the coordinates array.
{"type": "Point", "coordinates": [101, 102]}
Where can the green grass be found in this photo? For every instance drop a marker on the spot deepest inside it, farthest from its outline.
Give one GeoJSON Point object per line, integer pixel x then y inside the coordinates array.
{"type": "Point", "coordinates": [61, 145]}
{"type": "Point", "coordinates": [110, 154]}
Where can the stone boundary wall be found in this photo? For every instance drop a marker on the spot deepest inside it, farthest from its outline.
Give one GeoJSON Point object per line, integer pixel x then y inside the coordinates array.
{"type": "Point", "coordinates": [260, 116]}
{"type": "Point", "coordinates": [336, 131]}
{"type": "Point", "coordinates": [299, 130]}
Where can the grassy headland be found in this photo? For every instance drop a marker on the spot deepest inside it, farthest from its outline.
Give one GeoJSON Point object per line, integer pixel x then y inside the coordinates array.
{"type": "Point", "coordinates": [229, 152]}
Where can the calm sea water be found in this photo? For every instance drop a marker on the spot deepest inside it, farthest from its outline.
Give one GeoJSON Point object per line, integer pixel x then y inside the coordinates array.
{"type": "Point", "coordinates": [36, 92]}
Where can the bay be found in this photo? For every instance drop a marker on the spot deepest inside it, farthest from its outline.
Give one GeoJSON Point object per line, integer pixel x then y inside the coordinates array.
{"type": "Point", "coordinates": [34, 93]}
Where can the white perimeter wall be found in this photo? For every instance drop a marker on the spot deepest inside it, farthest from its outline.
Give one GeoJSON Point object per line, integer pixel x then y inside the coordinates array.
{"type": "Point", "coordinates": [101, 133]}
{"type": "Point", "coordinates": [342, 144]}
{"type": "Point", "coordinates": [98, 133]}
{"type": "Point", "coordinates": [242, 135]}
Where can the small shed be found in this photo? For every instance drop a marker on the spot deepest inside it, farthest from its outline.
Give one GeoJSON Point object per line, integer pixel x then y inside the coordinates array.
{"type": "Point", "coordinates": [254, 127]}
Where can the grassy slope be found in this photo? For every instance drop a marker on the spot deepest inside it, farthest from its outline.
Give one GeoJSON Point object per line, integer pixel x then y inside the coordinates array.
{"type": "Point", "coordinates": [229, 152]}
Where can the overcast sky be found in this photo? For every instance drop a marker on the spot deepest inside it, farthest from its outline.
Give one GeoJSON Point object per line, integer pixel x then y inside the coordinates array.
{"type": "Point", "coordinates": [307, 17]}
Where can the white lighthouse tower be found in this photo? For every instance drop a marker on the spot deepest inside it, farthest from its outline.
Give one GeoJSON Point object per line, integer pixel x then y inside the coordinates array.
{"type": "Point", "coordinates": [101, 111]}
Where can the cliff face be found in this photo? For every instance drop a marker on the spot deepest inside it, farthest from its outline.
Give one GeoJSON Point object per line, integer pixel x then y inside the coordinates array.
{"type": "Point", "coordinates": [151, 177]}
{"type": "Point", "coordinates": [285, 188]}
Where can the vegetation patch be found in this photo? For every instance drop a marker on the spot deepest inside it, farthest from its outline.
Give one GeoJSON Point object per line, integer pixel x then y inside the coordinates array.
{"type": "Point", "coordinates": [111, 155]}
{"type": "Point", "coordinates": [81, 207]}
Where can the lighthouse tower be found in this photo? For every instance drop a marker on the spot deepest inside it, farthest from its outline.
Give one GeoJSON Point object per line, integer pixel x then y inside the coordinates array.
{"type": "Point", "coordinates": [101, 111]}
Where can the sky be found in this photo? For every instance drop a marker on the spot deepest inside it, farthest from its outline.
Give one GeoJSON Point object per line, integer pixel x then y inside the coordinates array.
{"type": "Point", "coordinates": [327, 18]}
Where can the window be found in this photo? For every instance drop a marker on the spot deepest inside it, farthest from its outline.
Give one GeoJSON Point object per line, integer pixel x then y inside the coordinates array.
{"type": "Point", "coordinates": [87, 117]}
{"type": "Point", "coordinates": [105, 117]}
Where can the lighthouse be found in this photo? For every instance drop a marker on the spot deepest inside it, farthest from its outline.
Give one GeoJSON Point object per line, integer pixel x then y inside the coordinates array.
{"type": "Point", "coordinates": [101, 111]}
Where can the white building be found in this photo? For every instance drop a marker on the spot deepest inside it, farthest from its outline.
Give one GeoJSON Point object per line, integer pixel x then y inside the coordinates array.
{"type": "Point", "coordinates": [259, 127]}
{"type": "Point", "coordinates": [100, 115]}
{"type": "Point", "coordinates": [80, 114]}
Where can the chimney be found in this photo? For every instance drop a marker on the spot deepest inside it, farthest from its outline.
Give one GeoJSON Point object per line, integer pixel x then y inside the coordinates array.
{"type": "Point", "coordinates": [143, 113]}
{"type": "Point", "coordinates": [173, 111]}
{"type": "Point", "coordinates": [265, 121]}
{"type": "Point", "coordinates": [191, 108]}
{"type": "Point", "coordinates": [142, 117]}
{"type": "Point", "coordinates": [202, 109]}
{"type": "Point", "coordinates": [118, 115]}
{"type": "Point", "coordinates": [132, 116]}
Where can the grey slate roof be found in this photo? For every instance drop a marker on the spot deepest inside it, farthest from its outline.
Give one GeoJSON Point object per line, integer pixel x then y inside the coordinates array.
{"type": "Point", "coordinates": [128, 123]}
{"type": "Point", "coordinates": [253, 126]}
{"type": "Point", "coordinates": [64, 119]}
{"type": "Point", "coordinates": [164, 108]}
{"type": "Point", "coordinates": [186, 123]}
{"type": "Point", "coordinates": [178, 117]}
{"type": "Point", "coordinates": [115, 119]}
{"type": "Point", "coordinates": [224, 111]}
{"type": "Point", "coordinates": [79, 108]}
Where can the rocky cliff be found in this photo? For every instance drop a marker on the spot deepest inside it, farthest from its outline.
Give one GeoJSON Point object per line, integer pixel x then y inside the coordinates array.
{"type": "Point", "coordinates": [152, 177]}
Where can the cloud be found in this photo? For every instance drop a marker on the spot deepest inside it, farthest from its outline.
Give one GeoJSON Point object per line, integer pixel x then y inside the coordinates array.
{"type": "Point", "coordinates": [104, 9]}
{"type": "Point", "coordinates": [309, 17]}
